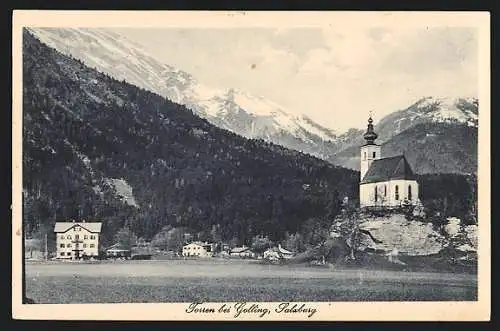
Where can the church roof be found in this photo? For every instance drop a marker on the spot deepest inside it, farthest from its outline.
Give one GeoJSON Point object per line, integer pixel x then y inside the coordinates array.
{"type": "Point", "coordinates": [389, 168]}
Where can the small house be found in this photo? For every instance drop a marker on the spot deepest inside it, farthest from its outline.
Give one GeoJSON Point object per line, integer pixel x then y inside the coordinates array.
{"type": "Point", "coordinates": [242, 252]}
{"type": "Point", "coordinates": [198, 249]}
{"type": "Point", "coordinates": [118, 251]}
{"type": "Point", "coordinates": [277, 253]}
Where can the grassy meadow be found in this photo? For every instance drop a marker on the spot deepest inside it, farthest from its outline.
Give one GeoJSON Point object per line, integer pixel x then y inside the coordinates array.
{"type": "Point", "coordinates": [214, 280]}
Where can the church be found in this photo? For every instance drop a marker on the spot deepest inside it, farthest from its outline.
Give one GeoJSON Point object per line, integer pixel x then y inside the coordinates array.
{"type": "Point", "coordinates": [385, 182]}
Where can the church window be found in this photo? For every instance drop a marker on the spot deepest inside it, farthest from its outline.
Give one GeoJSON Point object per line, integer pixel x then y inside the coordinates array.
{"type": "Point", "coordinates": [385, 190]}
{"type": "Point", "coordinates": [375, 193]}
{"type": "Point", "coordinates": [365, 156]}
{"type": "Point", "coordinates": [374, 154]}
{"type": "Point", "coordinates": [409, 192]}
{"type": "Point", "coordinates": [396, 192]}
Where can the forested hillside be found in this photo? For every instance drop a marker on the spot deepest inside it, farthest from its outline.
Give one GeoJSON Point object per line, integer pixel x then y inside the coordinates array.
{"type": "Point", "coordinates": [84, 131]}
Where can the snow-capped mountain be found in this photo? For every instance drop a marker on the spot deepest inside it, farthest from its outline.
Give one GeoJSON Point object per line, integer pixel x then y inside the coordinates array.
{"type": "Point", "coordinates": [438, 134]}
{"type": "Point", "coordinates": [237, 111]}
{"type": "Point", "coordinates": [430, 109]}
{"type": "Point", "coordinates": [240, 112]}
{"type": "Point", "coordinates": [462, 110]}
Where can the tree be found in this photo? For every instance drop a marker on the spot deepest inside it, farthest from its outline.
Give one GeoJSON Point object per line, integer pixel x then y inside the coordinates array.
{"type": "Point", "coordinates": [234, 242]}
{"type": "Point", "coordinates": [170, 239]}
{"type": "Point", "coordinates": [175, 239]}
{"type": "Point", "coordinates": [294, 242]}
{"type": "Point", "coordinates": [126, 238]}
{"type": "Point", "coordinates": [215, 234]}
{"type": "Point", "coordinates": [333, 205]}
{"type": "Point", "coordinates": [261, 243]}
{"type": "Point", "coordinates": [314, 232]}
{"type": "Point", "coordinates": [45, 232]}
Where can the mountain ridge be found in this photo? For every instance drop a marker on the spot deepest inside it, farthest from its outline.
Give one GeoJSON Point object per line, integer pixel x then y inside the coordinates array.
{"type": "Point", "coordinates": [245, 114]}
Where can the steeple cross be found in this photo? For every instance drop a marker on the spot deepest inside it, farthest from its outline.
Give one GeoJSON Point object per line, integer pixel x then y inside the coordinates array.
{"type": "Point", "coordinates": [370, 113]}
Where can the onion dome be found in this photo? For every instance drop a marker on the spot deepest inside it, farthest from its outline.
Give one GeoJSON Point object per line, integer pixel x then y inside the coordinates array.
{"type": "Point", "coordinates": [370, 135]}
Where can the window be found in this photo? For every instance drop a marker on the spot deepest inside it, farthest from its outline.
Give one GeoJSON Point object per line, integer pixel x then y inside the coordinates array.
{"type": "Point", "coordinates": [374, 154]}
{"type": "Point", "coordinates": [364, 156]}
{"type": "Point", "coordinates": [68, 237]}
{"type": "Point", "coordinates": [376, 193]}
{"type": "Point", "coordinates": [62, 237]}
{"type": "Point", "coordinates": [77, 237]}
{"type": "Point", "coordinates": [92, 245]}
{"type": "Point", "coordinates": [84, 245]}
{"type": "Point", "coordinates": [409, 192]}
{"type": "Point", "coordinates": [62, 254]}
{"type": "Point", "coordinates": [92, 237]}
{"type": "Point", "coordinates": [396, 192]}
{"type": "Point", "coordinates": [385, 190]}
{"type": "Point", "coordinates": [85, 237]}
{"type": "Point", "coordinates": [68, 245]}
{"type": "Point", "coordinates": [62, 246]}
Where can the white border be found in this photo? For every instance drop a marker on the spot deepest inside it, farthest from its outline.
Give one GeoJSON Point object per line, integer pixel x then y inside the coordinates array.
{"type": "Point", "coordinates": [345, 311]}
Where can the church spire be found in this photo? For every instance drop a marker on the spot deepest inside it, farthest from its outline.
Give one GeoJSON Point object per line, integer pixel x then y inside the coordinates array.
{"type": "Point", "coordinates": [370, 135]}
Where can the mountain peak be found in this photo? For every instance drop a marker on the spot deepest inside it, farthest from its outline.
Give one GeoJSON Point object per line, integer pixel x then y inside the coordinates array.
{"type": "Point", "coordinates": [233, 109]}
{"type": "Point", "coordinates": [448, 109]}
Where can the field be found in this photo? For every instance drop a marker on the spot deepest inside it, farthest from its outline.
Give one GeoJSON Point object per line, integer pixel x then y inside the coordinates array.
{"type": "Point", "coordinates": [219, 280]}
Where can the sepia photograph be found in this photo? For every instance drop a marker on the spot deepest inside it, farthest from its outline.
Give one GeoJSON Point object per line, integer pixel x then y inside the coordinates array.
{"type": "Point", "coordinates": [250, 171]}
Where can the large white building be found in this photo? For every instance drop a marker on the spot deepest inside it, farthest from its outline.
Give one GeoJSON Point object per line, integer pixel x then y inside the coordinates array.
{"type": "Point", "coordinates": [385, 182]}
{"type": "Point", "coordinates": [75, 240]}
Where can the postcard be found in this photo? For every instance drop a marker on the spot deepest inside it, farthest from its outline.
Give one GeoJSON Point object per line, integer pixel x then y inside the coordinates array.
{"type": "Point", "coordinates": [269, 166]}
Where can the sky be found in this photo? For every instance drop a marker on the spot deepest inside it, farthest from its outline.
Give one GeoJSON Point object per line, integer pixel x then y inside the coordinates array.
{"type": "Point", "coordinates": [335, 76]}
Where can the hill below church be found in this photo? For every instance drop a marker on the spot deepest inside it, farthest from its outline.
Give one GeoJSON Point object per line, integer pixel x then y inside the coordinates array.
{"type": "Point", "coordinates": [99, 149]}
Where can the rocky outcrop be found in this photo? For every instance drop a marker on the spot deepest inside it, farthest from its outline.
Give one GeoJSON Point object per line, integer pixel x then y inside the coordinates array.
{"type": "Point", "coordinates": [393, 233]}
{"type": "Point", "coordinates": [396, 233]}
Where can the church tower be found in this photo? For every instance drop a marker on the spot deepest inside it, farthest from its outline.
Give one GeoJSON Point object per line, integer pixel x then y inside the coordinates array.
{"type": "Point", "coordinates": [370, 151]}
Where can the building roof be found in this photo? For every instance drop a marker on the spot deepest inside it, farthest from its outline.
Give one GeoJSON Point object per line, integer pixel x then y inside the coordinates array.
{"type": "Point", "coordinates": [117, 248]}
{"type": "Point", "coordinates": [240, 249]}
{"type": "Point", "coordinates": [279, 250]}
{"type": "Point", "coordinates": [283, 251]}
{"type": "Point", "coordinates": [389, 168]}
{"type": "Point", "coordinates": [94, 227]}
{"type": "Point", "coordinates": [198, 243]}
